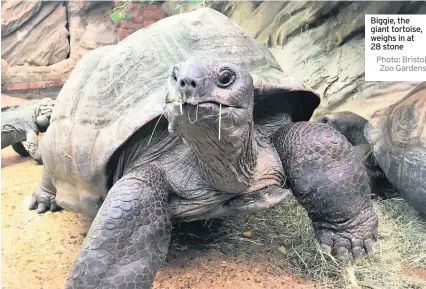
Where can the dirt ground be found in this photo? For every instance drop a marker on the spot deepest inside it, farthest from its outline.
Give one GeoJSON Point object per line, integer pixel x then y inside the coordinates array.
{"type": "Point", "coordinates": [38, 250]}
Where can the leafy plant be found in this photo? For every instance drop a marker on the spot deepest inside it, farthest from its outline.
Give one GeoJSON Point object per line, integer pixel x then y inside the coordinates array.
{"type": "Point", "coordinates": [118, 14]}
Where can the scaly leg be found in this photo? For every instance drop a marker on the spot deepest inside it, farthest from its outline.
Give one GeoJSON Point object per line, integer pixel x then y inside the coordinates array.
{"type": "Point", "coordinates": [129, 237]}
{"type": "Point", "coordinates": [20, 149]}
{"type": "Point", "coordinates": [329, 179]}
{"type": "Point", "coordinates": [44, 195]}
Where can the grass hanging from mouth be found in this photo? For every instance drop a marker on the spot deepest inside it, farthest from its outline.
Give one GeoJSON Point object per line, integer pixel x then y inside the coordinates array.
{"type": "Point", "coordinates": [150, 138]}
{"type": "Point", "coordinates": [220, 117]}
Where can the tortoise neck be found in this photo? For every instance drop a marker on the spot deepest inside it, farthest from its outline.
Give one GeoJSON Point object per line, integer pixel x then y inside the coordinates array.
{"type": "Point", "coordinates": [355, 133]}
{"type": "Point", "coordinates": [227, 164]}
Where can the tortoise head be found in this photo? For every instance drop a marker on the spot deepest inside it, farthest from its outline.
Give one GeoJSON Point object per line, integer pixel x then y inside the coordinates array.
{"type": "Point", "coordinates": [43, 113]}
{"type": "Point", "coordinates": [209, 96]}
{"type": "Point", "coordinates": [228, 99]}
{"type": "Point", "coordinates": [349, 124]}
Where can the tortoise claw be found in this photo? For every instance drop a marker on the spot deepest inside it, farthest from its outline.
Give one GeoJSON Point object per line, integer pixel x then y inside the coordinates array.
{"type": "Point", "coordinates": [41, 208]}
{"type": "Point", "coordinates": [356, 237]}
{"type": "Point", "coordinates": [43, 201]}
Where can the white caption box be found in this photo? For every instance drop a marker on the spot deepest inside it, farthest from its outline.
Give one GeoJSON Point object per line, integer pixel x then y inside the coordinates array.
{"type": "Point", "coordinates": [395, 47]}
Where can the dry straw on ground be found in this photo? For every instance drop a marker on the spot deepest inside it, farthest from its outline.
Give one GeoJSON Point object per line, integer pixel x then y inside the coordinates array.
{"type": "Point", "coordinates": [284, 236]}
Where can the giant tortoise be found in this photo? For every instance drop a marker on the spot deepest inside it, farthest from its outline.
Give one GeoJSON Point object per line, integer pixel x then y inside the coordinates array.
{"type": "Point", "coordinates": [174, 123]}
{"type": "Point", "coordinates": [396, 135]}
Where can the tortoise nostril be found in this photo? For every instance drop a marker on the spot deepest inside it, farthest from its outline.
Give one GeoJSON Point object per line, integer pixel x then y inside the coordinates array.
{"type": "Point", "coordinates": [187, 83]}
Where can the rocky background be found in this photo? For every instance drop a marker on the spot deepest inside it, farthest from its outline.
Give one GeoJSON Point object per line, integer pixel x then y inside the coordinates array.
{"type": "Point", "coordinates": [322, 44]}
{"type": "Point", "coordinates": [43, 40]}
{"type": "Point", "coordinates": [319, 43]}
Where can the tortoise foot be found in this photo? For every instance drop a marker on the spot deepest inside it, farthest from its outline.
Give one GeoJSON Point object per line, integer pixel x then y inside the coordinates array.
{"type": "Point", "coordinates": [355, 236]}
{"type": "Point", "coordinates": [43, 201]}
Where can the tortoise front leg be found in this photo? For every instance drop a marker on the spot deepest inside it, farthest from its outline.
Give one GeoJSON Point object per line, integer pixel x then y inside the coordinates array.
{"type": "Point", "coordinates": [329, 180]}
{"type": "Point", "coordinates": [20, 149]}
{"type": "Point", "coordinates": [129, 237]}
{"type": "Point", "coordinates": [32, 140]}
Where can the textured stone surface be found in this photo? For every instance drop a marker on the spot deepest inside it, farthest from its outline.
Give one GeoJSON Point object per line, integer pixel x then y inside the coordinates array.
{"type": "Point", "coordinates": [15, 13]}
{"type": "Point", "coordinates": [321, 44]}
{"type": "Point", "coordinates": [19, 74]}
{"type": "Point", "coordinates": [40, 50]}
{"type": "Point", "coordinates": [4, 67]}
{"type": "Point", "coordinates": [41, 40]}
{"type": "Point", "coordinates": [90, 26]}
{"type": "Point", "coordinates": [143, 16]}
{"type": "Point", "coordinates": [97, 34]}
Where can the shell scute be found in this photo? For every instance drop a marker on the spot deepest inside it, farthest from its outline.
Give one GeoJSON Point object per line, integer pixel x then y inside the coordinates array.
{"type": "Point", "coordinates": [407, 119]}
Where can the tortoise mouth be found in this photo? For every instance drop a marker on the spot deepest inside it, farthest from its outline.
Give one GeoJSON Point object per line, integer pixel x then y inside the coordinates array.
{"type": "Point", "coordinates": [208, 104]}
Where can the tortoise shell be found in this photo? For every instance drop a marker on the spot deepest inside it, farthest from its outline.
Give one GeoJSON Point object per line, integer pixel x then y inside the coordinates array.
{"type": "Point", "coordinates": [403, 124]}
{"type": "Point", "coordinates": [397, 135]}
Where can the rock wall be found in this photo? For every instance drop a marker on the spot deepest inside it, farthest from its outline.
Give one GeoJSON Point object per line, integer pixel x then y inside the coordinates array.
{"type": "Point", "coordinates": [43, 40]}
{"type": "Point", "coordinates": [143, 16]}
{"type": "Point", "coordinates": [90, 26]}
{"type": "Point", "coordinates": [34, 33]}
{"type": "Point", "coordinates": [320, 43]}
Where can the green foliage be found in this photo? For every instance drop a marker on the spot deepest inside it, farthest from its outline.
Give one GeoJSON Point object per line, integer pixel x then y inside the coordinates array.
{"type": "Point", "coordinates": [117, 16]}
{"type": "Point", "coordinates": [129, 17]}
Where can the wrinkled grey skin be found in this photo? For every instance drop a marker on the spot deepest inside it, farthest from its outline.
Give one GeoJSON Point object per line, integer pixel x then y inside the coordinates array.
{"type": "Point", "coordinates": [352, 127]}
{"type": "Point", "coordinates": [349, 124]}
{"type": "Point", "coordinates": [23, 124]}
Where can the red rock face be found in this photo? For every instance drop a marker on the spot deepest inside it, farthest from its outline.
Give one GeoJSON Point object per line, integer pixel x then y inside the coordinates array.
{"type": "Point", "coordinates": [142, 17]}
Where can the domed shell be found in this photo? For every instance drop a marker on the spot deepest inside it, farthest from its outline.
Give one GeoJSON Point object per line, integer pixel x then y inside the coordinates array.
{"type": "Point", "coordinates": [115, 90]}
{"type": "Point", "coordinates": [398, 139]}
{"type": "Point", "coordinates": [403, 123]}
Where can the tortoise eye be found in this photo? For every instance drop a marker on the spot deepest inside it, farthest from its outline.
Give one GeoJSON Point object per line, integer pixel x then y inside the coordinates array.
{"type": "Point", "coordinates": [226, 78]}
{"type": "Point", "coordinates": [324, 119]}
